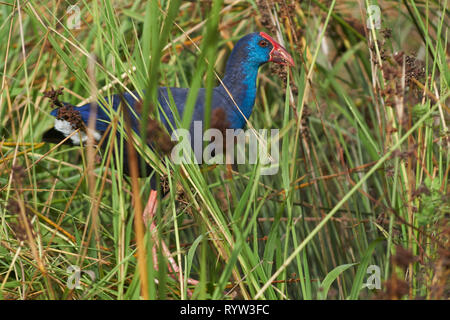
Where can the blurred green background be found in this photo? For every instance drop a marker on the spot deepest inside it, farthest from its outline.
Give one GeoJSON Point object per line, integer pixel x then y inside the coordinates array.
{"type": "Point", "coordinates": [359, 206]}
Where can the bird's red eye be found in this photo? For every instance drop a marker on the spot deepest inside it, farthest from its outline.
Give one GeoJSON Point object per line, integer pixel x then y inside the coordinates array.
{"type": "Point", "coordinates": [263, 43]}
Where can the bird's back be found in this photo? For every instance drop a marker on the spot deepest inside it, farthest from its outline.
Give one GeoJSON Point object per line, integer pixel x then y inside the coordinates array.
{"type": "Point", "coordinates": [166, 98]}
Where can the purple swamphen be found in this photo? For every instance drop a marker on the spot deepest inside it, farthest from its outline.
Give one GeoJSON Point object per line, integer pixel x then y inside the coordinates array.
{"type": "Point", "coordinates": [239, 81]}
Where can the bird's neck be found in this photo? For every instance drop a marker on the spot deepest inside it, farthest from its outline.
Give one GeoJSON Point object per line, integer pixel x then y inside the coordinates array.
{"type": "Point", "coordinates": [240, 81]}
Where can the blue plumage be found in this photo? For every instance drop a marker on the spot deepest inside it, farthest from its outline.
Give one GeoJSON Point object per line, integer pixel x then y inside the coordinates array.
{"type": "Point", "coordinates": [249, 53]}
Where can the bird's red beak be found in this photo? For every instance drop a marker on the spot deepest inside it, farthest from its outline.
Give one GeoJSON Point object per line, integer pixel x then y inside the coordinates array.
{"type": "Point", "coordinates": [278, 54]}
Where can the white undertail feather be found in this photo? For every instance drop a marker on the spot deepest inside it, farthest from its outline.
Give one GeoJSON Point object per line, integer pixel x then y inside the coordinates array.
{"type": "Point", "coordinates": [65, 127]}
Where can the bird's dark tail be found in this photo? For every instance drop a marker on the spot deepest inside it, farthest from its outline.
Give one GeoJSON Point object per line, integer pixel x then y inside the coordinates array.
{"type": "Point", "coordinates": [54, 136]}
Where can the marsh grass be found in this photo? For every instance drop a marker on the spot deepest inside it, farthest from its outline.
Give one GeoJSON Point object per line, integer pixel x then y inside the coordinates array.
{"type": "Point", "coordinates": [364, 154]}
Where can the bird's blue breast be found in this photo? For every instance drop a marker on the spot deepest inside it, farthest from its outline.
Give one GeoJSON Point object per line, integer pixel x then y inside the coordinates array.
{"type": "Point", "coordinates": [243, 94]}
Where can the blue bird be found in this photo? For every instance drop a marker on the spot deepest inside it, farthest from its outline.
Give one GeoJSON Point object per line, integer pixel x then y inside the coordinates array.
{"type": "Point", "coordinates": [239, 81]}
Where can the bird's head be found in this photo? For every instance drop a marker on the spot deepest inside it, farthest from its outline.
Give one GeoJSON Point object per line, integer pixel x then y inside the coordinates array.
{"type": "Point", "coordinates": [259, 48]}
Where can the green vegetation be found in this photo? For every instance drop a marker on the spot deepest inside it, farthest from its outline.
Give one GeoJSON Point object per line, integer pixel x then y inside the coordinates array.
{"type": "Point", "coordinates": [364, 154]}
